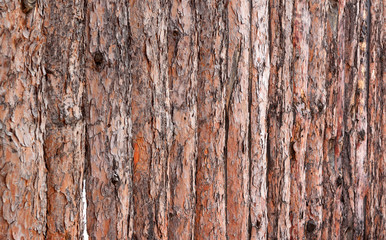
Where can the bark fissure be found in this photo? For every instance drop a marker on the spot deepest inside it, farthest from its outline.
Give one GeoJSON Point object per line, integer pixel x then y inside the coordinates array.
{"type": "Point", "coordinates": [226, 170]}
{"type": "Point", "coordinates": [250, 119]}
{"type": "Point", "coordinates": [228, 84]}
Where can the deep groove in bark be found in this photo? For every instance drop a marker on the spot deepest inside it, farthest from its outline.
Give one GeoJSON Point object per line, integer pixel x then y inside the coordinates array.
{"type": "Point", "coordinates": [227, 107]}
{"type": "Point", "coordinates": [250, 119]}
{"type": "Point", "coordinates": [226, 166]}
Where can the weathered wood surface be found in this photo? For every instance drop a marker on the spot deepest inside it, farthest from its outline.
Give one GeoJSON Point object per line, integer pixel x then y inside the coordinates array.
{"type": "Point", "coordinates": [187, 119]}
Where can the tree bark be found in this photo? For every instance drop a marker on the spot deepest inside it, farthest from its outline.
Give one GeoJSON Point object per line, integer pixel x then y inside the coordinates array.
{"type": "Point", "coordinates": [62, 91]}
{"type": "Point", "coordinates": [210, 222]}
{"type": "Point", "coordinates": [182, 62]}
{"type": "Point", "coordinates": [108, 122]}
{"type": "Point", "coordinates": [258, 125]}
{"type": "Point", "coordinates": [23, 182]}
{"type": "Point", "coordinates": [187, 119]}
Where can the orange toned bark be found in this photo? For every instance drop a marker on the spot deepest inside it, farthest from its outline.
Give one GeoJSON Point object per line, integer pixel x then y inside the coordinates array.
{"type": "Point", "coordinates": [210, 222]}
{"type": "Point", "coordinates": [260, 119]}
{"type": "Point", "coordinates": [142, 136]}
{"type": "Point", "coordinates": [64, 155]}
{"type": "Point", "coordinates": [182, 60]}
{"type": "Point", "coordinates": [23, 202]}
{"type": "Point", "coordinates": [237, 120]}
{"type": "Point", "coordinates": [151, 119]}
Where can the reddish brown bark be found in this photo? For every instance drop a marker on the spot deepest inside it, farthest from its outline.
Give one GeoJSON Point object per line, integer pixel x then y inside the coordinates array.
{"type": "Point", "coordinates": [108, 179]}
{"type": "Point", "coordinates": [316, 92]}
{"type": "Point", "coordinates": [349, 73]}
{"type": "Point", "coordinates": [259, 119]}
{"type": "Point", "coordinates": [23, 204]}
{"type": "Point", "coordinates": [280, 120]}
{"type": "Point", "coordinates": [182, 61]}
{"type": "Point", "coordinates": [376, 200]}
{"type": "Point", "coordinates": [211, 190]}
{"type": "Point", "coordinates": [237, 120]}
{"type": "Point", "coordinates": [151, 119]}
{"type": "Point", "coordinates": [332, 174]}
{"type": "Point", "coordinates": [258, 109]}
{"type": "Point", "coordinates": [64, 133]}
{"type": "Point", "coordinates": [361, 176]}
{"type": "Point", "coordinates": [301, 114]}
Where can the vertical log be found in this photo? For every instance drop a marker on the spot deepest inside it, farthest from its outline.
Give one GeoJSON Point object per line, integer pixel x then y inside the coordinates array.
{"type": "Point", "coordinates": [317, 101]}
{"type": "Point", "coordinates": [210, 220]}
{"type": "Point", "coordinates": [151, 118]}
{"type": "Point", "coordinates": [259, 78]}
{"type": "Point", "coordinates": [332, 144]}
{"type": "Point", "coordinates": [23, 203]}
{"type": "Point", "coordinates": [361, 169]}
{"type": "Point", "coordinates": [350, 78]}
{"type": "Point", "coordinates": [141, 108]}
{"type": "Point", "coordinates": [108, 179]}
{"type": "Point", "coordinates": [302, 117]}
{"type": "Point", "coordinates": [375, 223]}
{"type": "Point", "coordinates": [329, 174]}
{"type": "Point", "coordinates": [182, 61]}
{"type": "Point", "coordinates": [280, 120]}
{"type": "Point", "coordinates": [64, 136]}
{"type": "Point", "coordinates": [156, 52]}
{"type": "Point", "coordinates": [237, 119]}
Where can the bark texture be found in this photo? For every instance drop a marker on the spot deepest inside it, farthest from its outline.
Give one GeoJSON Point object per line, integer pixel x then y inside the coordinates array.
{"type": "Point", "coordinates": [62, 90]}
{"type": "Point", "coordinates": [187, 119]}
{"type": "Point", "coordinates": [210, 222]}
{"type": "Point", "coordinates": [108, 123]}
{"type": "Point", "coordinates": [23, 181]}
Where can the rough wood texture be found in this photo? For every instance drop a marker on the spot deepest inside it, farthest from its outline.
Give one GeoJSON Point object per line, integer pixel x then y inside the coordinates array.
{"type": "Point", "coordinates": [280, 120]}
{"type": "Point", "coordinates": [62, 90]}
{"type": "Point", "coordinates": [376, 129]}
{"type": "Point", "coordinates": [210, 177]}
{"type": "Point", "coordinates": [23, 185]}
{"type": "Point", "coordinates": [332, 174]}
{"type": "Point", "coordinates": [182, 61]}
{"type": "Point", "coordinates": [301, 116]}
{"type": "Point", "coordinates": [107, 99]}
{"type": "Point", "coordinates": [151, 117]}
{"type": "Point", "coordinates": [258, 110]}
{"type": "Point", "coordinates": [188, 119]}
{"type": "Point", "coordinates": [237, 120]}
{"type": "Point", "coordinates": [317, 108]}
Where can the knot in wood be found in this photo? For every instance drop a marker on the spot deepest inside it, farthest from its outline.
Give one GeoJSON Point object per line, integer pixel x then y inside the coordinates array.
{"type": "Point", "coordinates": [98, 58]}
{"type": "Point", "coordinates": [27, 5]}
{"type": "Point", "coordinates": [115, 179]}
{"type": "Point", "coordinates": [311, 226]}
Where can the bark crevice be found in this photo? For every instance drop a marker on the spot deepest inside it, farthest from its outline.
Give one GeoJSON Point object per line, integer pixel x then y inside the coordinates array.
{"type": "Point", "coordinates": [250, 63]}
